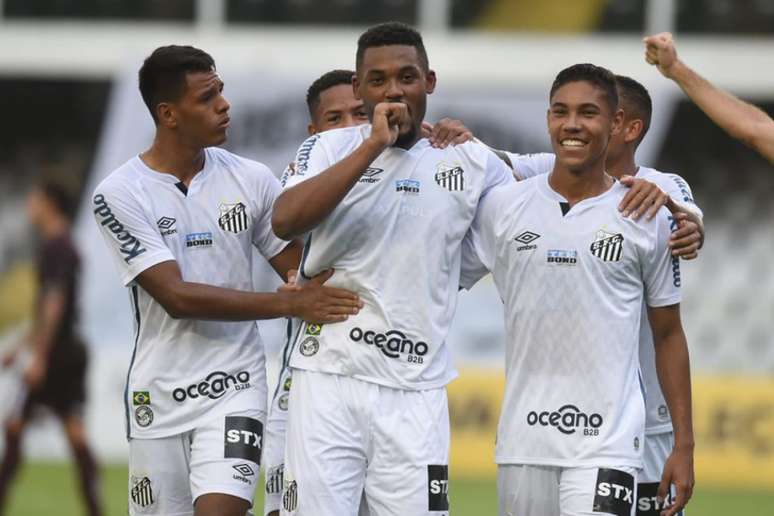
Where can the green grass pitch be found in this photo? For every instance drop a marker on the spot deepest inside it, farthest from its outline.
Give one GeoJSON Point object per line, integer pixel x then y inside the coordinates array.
{"type": "Point", "coordinates": [44, 489]}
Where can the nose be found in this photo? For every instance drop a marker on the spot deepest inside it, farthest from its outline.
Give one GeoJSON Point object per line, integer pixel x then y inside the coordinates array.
{"type": "Point", "coordinates": [394, 92]}
{"type": "Point", "coordinates": [223, 105]}
{"type": "Point", "coordinates": [572, 123]}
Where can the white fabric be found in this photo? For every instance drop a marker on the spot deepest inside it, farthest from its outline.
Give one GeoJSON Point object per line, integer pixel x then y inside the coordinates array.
{"type": "Point", "coordinates": [180, 468]}
{"type": "Point", "coordinates": [657, 417]}
{"type": "Point", "coordinates": [395, 240]}
{"type": "Point", "coordinates": [189, 368]}
{"type": "Point", "coordinates": [346, 436]}
{"type": "Point", "coordinates": [573, 286]}
{"type": "Point", "coordinates": [527, 490]}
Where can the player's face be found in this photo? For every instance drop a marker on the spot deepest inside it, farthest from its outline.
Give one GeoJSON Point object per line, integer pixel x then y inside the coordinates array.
{"type": "Point", "coordinates": [394, 73]}
{"type": "Point", "coordinates": [581, 123]}
{"type": "Point", "coordinates": [201, 114]}
{"type": "Point", "coordinates": [337, 108]}
{"type": "Point", "coordinates": [37, 205]}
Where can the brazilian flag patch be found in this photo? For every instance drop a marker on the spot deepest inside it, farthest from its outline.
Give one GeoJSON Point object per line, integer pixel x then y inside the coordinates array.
{"type": "Point", "coordinates": [141, 398]}
{"type": "Point", "coordinates": [313, 329]}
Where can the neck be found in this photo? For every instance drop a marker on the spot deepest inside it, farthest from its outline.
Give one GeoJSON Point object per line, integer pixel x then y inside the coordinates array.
{"type": "Point", "coordinates": [576, 185]}
{"type": "Point", "coordinates": [169, 155]}
{"type": "Point", "coordinates": [623, 165]}
{"type": "Point", "coordinates": [54, 226]}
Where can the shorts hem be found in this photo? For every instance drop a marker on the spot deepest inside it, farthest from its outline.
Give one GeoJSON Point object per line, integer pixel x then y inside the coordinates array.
{"type": "Point", "coordinates": [418, 386]}
{"type": "Point", "coordinates": [603, 463]}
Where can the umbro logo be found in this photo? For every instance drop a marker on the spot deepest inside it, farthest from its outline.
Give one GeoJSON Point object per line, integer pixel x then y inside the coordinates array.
{"type": "Point", "coordinates": [370, 175]}
{"type": "Point", "coordinates": [244, 469]}
{"type": "Point", "coordinates": [165, 226]}
{"type": "Point", "coordinates": [526, 238]}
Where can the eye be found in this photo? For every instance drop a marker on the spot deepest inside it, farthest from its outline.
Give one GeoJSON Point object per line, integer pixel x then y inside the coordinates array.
{"type": "Point", "coordinates": [332, 119]}
{"type": "Point", "coordinates": [376, 81]}
{"type": "Point", "coordinates": [361, 114]}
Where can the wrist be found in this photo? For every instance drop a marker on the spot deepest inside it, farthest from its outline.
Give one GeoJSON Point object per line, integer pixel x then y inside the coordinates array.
{"type": "Point", "coordinates": [677, 71]}
{"type": "Point", "coordinates": [372, 147]}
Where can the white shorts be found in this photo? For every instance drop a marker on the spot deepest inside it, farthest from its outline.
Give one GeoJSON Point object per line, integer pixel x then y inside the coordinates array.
{"type": "Point", "coordinates": [347, 437]}
{"type": "Point", "coordinates": [524, 490]}
{"type": "Point", "coordinates": [655, 454]}
{"type": "Point", "coordinates": [167, 475]}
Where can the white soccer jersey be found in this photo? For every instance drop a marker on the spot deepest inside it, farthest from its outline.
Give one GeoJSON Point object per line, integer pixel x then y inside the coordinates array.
{"type": "Point", "coordinates": [657, 417]}
{"type": "Point", "coordinates": [183, 370]}
{"type": "Point", "coordinates": [573, 286]}
{"type": "Point", "coordinates": [395, 240]}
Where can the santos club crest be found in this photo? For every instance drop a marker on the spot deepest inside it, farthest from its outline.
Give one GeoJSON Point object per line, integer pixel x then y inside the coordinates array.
{"type": "Point", "coordinates": [233, 217]}
{"type": "Point", "coordinates": [450, 177]}
{"type": "Point", "coordinates": [608, 247]}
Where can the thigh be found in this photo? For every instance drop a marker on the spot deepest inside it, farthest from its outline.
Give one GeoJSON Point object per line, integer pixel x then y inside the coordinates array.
{"type": "Point", "coordinates": [325, 441]}
{"type": "Point", "coordinates": [594, 491]}
{"type": "Point", "coordinates": [226, 455]}
{"type": "Point", "coordinates": [158, 476]}
{"type": "Point", "coordinates": [524, 490]}
{"type": "Point", "coordinates": [408, 457]}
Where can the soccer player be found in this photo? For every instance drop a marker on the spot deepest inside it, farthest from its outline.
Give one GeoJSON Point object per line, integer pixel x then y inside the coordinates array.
{"type": "Point", "coordinates": [573, 273]}
{"type": "Point", "coordinates": [741, 120]}
{"type": "Point", "coordinates": [368, 408]}
{"type": "Point", "coordinates": [180, 220]}
{"type": "Point", "coordinates": [637, 107]}
{"type": "Point", "coordinates": [56, 376]}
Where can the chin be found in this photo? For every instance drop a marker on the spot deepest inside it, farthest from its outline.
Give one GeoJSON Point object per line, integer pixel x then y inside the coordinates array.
{"type": "Point", "coordinates": [405, 138]}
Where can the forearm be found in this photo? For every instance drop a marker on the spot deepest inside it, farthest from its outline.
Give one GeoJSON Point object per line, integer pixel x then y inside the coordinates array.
{"type": "Point", "coordinates": [673, 368]}
{"type": "Point", "coordinates": [740, 119]}
{"type": "Point", "coordinates": [302, 207]}
{"type": "Point", "coordinates": [187, 300]}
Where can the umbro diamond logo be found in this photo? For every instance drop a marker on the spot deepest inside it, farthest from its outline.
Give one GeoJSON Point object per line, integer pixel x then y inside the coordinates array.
{"type": "Point", "coordinates": [370, 175]}
{"type": "Point", "coordinates": [165, 226]}
{"type": "Point", "coordinates": [526, 238]}
{"type": "Point", "coordinates": [244, 469]}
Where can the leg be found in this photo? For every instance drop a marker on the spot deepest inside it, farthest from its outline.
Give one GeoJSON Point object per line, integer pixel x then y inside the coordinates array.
{"type": "Point", "coordinates": [527, 490]}
{"type": "Point", "coordinates": [655, 452]}
{"type": "Point", "coordinates": [225, 463]}
{"type": "Point", "coordinates": [408, 469]}
{"type": "Point", "coordinates": [87, 466]}
{"type": "Point", "coordinates": [326, 439]}
{"type": "Point", "coordinates": [159, 476]}
{"type": "Point", "coordinates": [591, 491]}
{"type": "Point", "coordinates": [12, 456]}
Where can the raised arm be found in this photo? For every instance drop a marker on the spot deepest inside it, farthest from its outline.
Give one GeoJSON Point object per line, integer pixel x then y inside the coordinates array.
{"type": "Point", "coordinates": [740, 119]}
{"type": "Point", "coordinates": [303, 206]}
{"type": "Point", "coordinates": [674, 375]}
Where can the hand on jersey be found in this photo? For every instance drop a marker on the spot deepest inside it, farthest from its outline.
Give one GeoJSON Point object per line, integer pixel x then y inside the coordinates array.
{"type": "Point", "coordinates": [678, 471]}
{"type": "Point", "coordinates": [660, 51]}
{"type": "Point", "coordinates": [315, 303]}
{"type": "Point", "coordinates": [446, 132]}
{"type": "Point", "coordinates": [643, 197]}
{"type": "Point", "coordinates": [9, 358]}
{"type": "Point", "coordinates": [686, 239]}
{"type": "Point", "coordinates": [390, 120]}
{"type": "Point", "coordinates": [290, 285]}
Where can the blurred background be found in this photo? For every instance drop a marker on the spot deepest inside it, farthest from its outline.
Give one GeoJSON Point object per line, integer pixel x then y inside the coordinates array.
{"type": "Point", "coordinates": [71, 112]}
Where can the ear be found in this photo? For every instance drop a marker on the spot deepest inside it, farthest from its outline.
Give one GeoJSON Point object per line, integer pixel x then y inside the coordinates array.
{"type": "Point", "coordinates": [356, 86]}
{"type": "Point", "coordinates": [633, 130]}
{"type": "Point", "coordinates": [311, 129]}
{"type": "Point", "coordinates": [165, 114]}
{"type": "Point", "coordinates": [430, 81]}
{"type": "Point", "coordinates": [618, 119]}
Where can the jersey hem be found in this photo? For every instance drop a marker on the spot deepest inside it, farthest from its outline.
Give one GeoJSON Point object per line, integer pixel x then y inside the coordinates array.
{"type": "Point", "coordinates": [591, 463]}
{"type": "Point", "coordinates": [660, 429]}
{"type": "Point", "coordinates": [424, 386]}
{"type": "Point", "coordinates": [147, 263]}
{"type": "Point", "coordinates": [665, 301]}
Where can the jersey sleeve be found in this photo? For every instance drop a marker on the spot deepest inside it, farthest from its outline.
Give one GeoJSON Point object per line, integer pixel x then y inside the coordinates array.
{"type": "Point", "coordinates": [311, 159]}
{"type": "Point", "coordinates": [264, 239]}
{"type": "Point", "coordinates": [497, 173]}
{"type": "Point", "coordinates": [478, 246]}
{"type": "Point", "coordinates": [132, 239]}
{"type": "Point", "coordinates": [660, 270]}
{"type": "Point", "coordinates": [678, 189]}
{"type": "Point", "coordinates": [472, 268]}
{"type": "Point", "coordinates": [531, 165]}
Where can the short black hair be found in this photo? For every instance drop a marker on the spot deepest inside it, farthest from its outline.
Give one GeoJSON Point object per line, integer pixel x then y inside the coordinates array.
{"type": "Point", "coordinates": [600, 77]}
{"type": "Point", "coordinates": [391, 33]}
{"type": "Point", "coordinates": [325, 81]}
{"type": "Point", "coordinates": [162, 75]}
{"type": "Point", "coordinates": [636, 101]}
{"type": "Point", "coordinates": [58, 195]}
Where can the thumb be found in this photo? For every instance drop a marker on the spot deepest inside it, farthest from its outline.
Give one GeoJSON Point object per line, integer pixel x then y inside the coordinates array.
{"type": "Point", "coordinates": [627, 180]}
{"type": "Point", "coordinates": [323, 277]}
{"type": "Point", "coordinates": [663, 486]}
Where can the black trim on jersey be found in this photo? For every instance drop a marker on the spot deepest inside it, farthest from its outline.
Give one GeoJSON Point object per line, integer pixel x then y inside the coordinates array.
{"type": "Point", "coordinates": [136, 306]}
{"type": "Point", "coordinates": [304, 255]}
{"type": "Point", "coordinates": [182, 187]}
{"type": "Point", "coordinates": [290, 345]}
{"type": "Point", "coordinates": [565, 206]}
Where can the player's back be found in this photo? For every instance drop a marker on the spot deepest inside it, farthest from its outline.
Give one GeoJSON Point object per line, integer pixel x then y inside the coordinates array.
{"type": "Point", "coordinates": [395, 240]}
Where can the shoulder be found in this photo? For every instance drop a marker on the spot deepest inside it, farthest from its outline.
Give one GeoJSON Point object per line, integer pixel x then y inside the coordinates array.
{"type": "Point", "coordinates": [123, 181]}
{"type": "Point", "coordinates": [512, 194]}
{"type": "Point", "coordinates": [476, 153]}
{"type": "Point", "coordinates": [669, 182]}
{"type": "Point", "coordinates": [239, 165]}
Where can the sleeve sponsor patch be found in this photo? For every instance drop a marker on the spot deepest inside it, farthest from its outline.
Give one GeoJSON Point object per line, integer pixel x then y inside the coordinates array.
{"type": "Point", "coordinates": [243, 438]}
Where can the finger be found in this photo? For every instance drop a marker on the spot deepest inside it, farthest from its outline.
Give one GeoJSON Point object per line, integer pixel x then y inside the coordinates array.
{"type": "Point", "coordinates": [453, 133]}
{"type": "Point", "coordinates": [658, 203]}
{"type": "Point", "coordinates": [680, 499]}
{"type": "Point", "coordinates": [341, 310]}
{"type": "Point", "coordinates": [639, 195]}
{"type": "Point", "coordinates": [687, 250]}
{"type": "Point", "coordinates": [441, 135]}
{"type": "Point", "coordinates": [691, 256]}
{"type": "Point", "coordinates": [684, 231]}
{"type": "Point", "coordinates": [690, 239]}
{"type": "Point", "coordinates": [323, 276]}
{"type": "Point", "coordinates": [463, 137]}
{"type": "Point", "coordinates": [427, 131]}
{"type": "Point", "coordinates": [340, 293]}
{"type": "Point", "coordinates": [663, 486]}
{"type": "Point", "coordinates": [326, 319]}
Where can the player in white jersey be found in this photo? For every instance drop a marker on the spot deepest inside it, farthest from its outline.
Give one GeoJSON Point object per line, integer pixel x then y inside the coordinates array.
{"type": "Point", "coordinates": [181, 220]}
{"type": "Point", "coordinates": [573, 273]}
{"type": "Point", "coordinates": [368, 408]}
{"type": "Point", "coordinates": [685, 242]}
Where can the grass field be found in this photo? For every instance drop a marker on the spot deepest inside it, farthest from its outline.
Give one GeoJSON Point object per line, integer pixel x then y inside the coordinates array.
{"type": "Point", "coordinates": [50, 489]}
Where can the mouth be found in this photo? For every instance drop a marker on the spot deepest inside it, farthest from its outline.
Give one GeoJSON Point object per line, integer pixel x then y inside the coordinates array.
{"type": "Point", "coordinates": [224, 123]}
{"type": "Point", "coordinates": [572, 143]}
